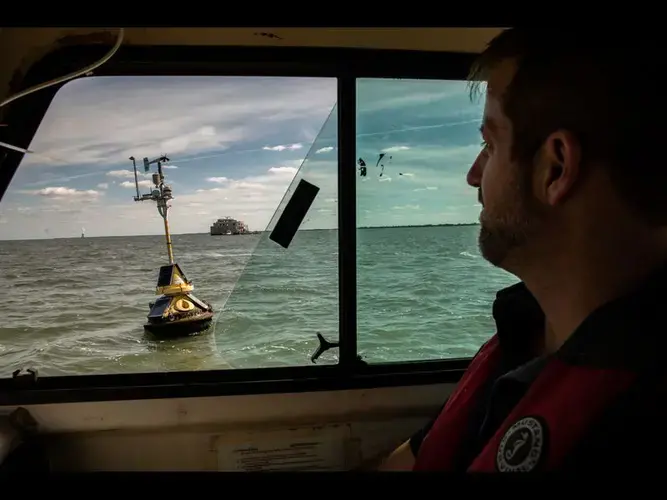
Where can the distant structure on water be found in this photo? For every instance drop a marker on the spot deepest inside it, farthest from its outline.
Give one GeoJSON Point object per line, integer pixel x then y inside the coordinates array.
{"type": "Point", "coordinates": [228, 226]}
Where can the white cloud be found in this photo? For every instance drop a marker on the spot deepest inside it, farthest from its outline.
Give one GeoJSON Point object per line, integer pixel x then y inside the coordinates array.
{"type": "Point", "coordinates": [324, 150]}
{"type": "Point", "coordinates": [283, 170]}
{"type": "Point", "coordinates": [257, 196]}
{"type": "Point", "coordinates": [110, 120]}
{"type": "Point", "coordinates": [284, 147]}
{"type": "Point", "coordinates": [218, 180]}
{"type": "Point", "coordinates": [126, 174]}
{"type": "Point", "coordinates": [132, 185]}
{"type": "Point", "coordinates": [65, 193]}
{"type": "Point", "coordinates": [394, 149]}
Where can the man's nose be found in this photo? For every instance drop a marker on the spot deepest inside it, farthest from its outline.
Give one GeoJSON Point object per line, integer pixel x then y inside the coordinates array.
{"type": "Point", "coordinates": [474, 177]}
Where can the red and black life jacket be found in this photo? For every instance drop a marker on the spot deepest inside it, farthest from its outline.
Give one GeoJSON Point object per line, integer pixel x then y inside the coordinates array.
{"type": "Point", "coordinates": [592, 403]}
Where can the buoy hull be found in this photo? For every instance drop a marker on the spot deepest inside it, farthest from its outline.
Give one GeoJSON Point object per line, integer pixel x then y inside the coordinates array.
{"type": "Point", "coordinates": [180, 327]}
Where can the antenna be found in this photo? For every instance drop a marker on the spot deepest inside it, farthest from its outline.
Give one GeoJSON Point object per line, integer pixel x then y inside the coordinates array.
{"type": "Point", "coordinates": [161, 194]}
{"type": "Point", "coordinates": [136, 180]}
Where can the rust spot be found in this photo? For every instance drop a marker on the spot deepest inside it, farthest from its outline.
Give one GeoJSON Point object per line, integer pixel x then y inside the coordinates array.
{"type": "Point", "coordinates": [268, 35]}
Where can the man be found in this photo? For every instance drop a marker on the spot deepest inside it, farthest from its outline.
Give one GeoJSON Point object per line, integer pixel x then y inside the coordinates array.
{"type": "Point", "coordinates": [573, 185]}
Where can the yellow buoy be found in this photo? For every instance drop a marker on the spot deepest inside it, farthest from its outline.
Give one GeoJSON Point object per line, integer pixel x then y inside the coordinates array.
{"type": "Point", "coordinates": [177, 311]}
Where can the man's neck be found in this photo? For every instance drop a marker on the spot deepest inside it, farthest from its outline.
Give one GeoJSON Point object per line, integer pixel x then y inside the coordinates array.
{"type": "Point", "coordinates": [574, 285]}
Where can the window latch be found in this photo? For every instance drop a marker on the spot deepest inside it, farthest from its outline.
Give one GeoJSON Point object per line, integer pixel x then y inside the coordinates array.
{"type": "Point", "coordinates": [24, 378]}
{"type": "Point", "coordinates": [324, 346]}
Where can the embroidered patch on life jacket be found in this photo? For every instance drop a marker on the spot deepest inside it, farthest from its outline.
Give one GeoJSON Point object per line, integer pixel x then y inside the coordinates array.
{"type": "Point", "coordinates": [523, 445]}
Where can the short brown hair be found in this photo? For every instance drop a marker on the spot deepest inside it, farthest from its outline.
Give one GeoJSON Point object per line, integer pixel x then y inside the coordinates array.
{"type": "Point", "coordinates": [602, 87]}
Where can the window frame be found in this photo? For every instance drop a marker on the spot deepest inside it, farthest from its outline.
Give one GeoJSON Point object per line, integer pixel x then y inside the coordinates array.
{"type": "Point", "coordinates": [344, 64]}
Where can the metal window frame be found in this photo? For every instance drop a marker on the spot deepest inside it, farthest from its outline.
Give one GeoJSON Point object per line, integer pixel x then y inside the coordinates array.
{"type": "Point", "coordinates": [344, 64]}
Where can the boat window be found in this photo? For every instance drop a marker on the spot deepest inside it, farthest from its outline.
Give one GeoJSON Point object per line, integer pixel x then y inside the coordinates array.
{"type": "Point", "coordinates": [424, 292]}
{"type": "Point", "coordinates": [81, 256]}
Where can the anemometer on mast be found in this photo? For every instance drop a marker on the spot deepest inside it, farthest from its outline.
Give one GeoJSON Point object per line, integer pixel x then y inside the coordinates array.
{"type": "Point", "coordinates": [160, 194]}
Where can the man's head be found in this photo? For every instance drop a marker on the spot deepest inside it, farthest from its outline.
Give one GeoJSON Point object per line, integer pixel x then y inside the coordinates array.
{"type": "Point", "coordinates": [572, 129]}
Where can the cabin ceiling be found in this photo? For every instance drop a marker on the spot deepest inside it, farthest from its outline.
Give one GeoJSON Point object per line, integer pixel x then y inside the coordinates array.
{"type": "Point", "coordinates": [22, 47]}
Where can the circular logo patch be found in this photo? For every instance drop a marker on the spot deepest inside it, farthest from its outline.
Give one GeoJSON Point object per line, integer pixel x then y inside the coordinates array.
{"type": "Point", "coordinates": [522, 446]}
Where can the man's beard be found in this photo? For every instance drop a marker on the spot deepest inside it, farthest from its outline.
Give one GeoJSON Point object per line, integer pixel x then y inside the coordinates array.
{"type": "Point", "coordinates": [509, 228]}
{"type": "Point", "coordinates": [501, 240]}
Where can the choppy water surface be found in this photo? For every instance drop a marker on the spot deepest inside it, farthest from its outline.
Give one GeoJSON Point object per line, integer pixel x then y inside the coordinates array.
{"type": "Point", "coordinates": [77, 306]}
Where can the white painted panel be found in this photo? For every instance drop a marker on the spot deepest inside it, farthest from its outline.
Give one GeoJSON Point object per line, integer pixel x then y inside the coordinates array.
{"type": "Point", "coordinates": [230, 410]}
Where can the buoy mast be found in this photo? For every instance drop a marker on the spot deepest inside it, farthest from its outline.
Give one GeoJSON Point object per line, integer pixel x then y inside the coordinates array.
{"type": "Point", "coordinates": [161, 194]}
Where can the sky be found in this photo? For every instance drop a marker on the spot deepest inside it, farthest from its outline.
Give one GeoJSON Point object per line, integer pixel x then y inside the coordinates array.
{"type": "Point", "coordinates": [237, 147]}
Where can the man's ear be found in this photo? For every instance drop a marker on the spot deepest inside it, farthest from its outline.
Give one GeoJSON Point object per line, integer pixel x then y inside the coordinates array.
{"type": "Point", "coordinates": [559, 167]}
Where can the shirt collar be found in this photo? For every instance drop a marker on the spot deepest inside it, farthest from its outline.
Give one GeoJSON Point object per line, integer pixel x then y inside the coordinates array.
{"type": "Point", "coordinates": [627, 331]}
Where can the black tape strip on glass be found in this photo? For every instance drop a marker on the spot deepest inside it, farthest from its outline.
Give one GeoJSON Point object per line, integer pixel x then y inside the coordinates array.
{"type": "Point", "coordinates": [294, 213]}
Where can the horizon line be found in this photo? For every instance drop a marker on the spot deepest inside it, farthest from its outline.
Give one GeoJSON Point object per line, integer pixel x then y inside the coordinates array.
{"type": "Point", "coordinates": [253, 233]}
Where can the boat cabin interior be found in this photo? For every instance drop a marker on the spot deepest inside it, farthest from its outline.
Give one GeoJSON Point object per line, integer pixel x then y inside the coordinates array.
{"type": "Point", "coordinates": [332, 340]}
